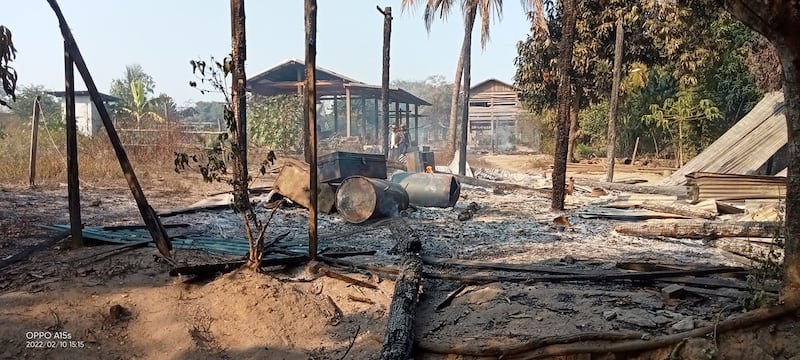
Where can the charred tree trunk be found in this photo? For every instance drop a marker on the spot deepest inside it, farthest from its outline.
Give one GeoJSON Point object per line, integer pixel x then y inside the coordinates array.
{"type": "Point", "coordinates": [564, 93]}
{"type": "Point", "coordinates": [469, 24]}
{"type": "Point", "coordinates": [702, 229]}
{"type": "Point", "coordinates": [574, 129]}
{"type": "Point", "coordinates": [238, 129]}
{"type": "Point", "coordinates": [311, 110]}
{"type": "Point", "coordinates": [613, 107]}
{"type": "Point", "coordinates": [776, 20]}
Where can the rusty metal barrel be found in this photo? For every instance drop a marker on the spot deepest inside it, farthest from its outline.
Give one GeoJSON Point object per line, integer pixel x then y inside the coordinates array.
{"type": "Point", "coordinates": [359, 199]}
{"type": "Point", "coordinates": [429, 190]}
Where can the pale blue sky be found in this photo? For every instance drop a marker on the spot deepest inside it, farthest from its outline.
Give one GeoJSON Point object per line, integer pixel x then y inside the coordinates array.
{"type": "Point", "coordinates": [164, 35]}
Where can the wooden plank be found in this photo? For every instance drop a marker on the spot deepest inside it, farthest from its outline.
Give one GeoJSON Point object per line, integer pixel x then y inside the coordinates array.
{"type": "Point", "coordinates": [701, 229]}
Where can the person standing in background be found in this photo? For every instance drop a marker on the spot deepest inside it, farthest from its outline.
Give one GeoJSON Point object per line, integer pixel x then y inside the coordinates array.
{"type": "Point", "coordinates": [393, 143]}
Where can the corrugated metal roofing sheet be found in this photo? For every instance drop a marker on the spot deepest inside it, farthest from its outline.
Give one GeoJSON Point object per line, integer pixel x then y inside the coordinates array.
{"type": "Point", "coordinates": [746, 146]}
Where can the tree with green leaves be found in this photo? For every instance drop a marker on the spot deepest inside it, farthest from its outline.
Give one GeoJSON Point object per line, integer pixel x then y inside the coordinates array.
{"type": "Point", "coordinates": [51, 109]}
{"type": "Point", "coordinates": [275, 122]}
{"type": "Point", "coordinates": [139, 107]}
{"type": "Point", "coordinates": [685, 118]}
{"type": "Point", "coordinates": [121, 88]}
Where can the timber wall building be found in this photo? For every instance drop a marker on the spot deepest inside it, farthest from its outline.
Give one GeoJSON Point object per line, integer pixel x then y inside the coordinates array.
{"type": "Point", "coordinates": [493, 109]}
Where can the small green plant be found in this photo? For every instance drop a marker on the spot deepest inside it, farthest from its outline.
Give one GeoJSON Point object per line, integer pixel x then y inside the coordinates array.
{"type": "Point", "coordinates": [765, 274]}
{"type": "Point", "coordinates": [228, 149]}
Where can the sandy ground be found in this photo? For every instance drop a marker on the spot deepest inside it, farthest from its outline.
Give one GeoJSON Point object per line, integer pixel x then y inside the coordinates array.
{"type": "Point", "coordinates": [296, 314]}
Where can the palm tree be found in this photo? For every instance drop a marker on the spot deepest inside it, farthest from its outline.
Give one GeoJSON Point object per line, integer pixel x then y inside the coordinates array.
{"type": "Point", "coordinates": [140, 107]}
{"type": "Point", "coordinates": [471, 9]}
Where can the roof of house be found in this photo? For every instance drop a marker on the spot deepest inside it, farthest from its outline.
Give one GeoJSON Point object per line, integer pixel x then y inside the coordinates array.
{"type": "Point", "coordinates": [289, 76]}
{"type": "Point", "coordinates": [104, 97]}
{"type": "Point", "coordinates": [488, 82]}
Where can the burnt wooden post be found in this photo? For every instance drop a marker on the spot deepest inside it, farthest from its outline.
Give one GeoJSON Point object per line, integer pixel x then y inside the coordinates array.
{"type": "Point", "coordinates": [239, 106]}
{"type": "Point", "coordinates": [363, 118]}
{"type": "Point", "coordinates": [348, 111]}
{"type": "Point", "coordinates": [416, 124]}
{"type": "Point", "coordinates": [311, 106]}
{"type": "Point", "coordinates": [377, 122]}
{"type": "Point", "coordinates": [152, 222]}
{"type": "Point", "coordinates": [73, 182]}
{"type": "Point", "coordinates": [398, 342]}
{"type": "Point", "coordinates": [335, 114]}
{"type": "Point", "coordinates": [387, 36]}
{"type": "Point", "coordinates": [37, 112]}
{"type": "Point", "coordinates": [397, 114]}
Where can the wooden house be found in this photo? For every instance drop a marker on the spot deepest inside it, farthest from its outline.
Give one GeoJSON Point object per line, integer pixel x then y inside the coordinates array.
{"type": "Point", "coordinates": [493, 109]}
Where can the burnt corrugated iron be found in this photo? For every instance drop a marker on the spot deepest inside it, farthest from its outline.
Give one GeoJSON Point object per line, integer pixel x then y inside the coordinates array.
{"type": "Point", "coordinates": [717, 186]}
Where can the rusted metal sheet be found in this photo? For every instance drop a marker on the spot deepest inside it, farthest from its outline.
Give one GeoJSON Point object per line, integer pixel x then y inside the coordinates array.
{"type": "Point", "coordinates": [735, 187]}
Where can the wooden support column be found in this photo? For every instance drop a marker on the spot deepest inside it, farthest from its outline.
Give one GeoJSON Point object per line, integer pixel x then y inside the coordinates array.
{"type": "Point", "coordinates": [387, 35]}
{"type": "Point", "coordinates": [416, 124]}
{"type": "Point", "coordinates": [73, 182]}
{"type": "Point", "coordinates": [377, 121]}
{"type": "Point", "coordinates": [336, 114]}
{"type": "Point", "coordinates": [37, 112]}
{"type": "Point", "coordinates": [363, 118]}
{"type": "Point", "coordinates": [311, 106]}
{"type": "Point", "coordinates": [347, 110]}
{"type": "Point", "coordinates": [397, 113]}
{"type": "Point", "coordinates": [408, 114]}
{"type": "Point", "coordinates": [149, 217]}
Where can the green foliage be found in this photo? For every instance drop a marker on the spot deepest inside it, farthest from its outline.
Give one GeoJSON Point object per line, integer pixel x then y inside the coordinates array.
{"type": "Point", "coordinates": [121, 88]}
{"type": "Point", "coordinates": [51, 109]}
{"type": "Point", "coordinates": [139, 107]}
{"type": "Point", "coordinates": [276, 122]}
{"type": "Point", "coordinates": [594, 128]}
{"type": "Point", "coordinates": [728, 81]}
{"type": "Point", "coordinates": [687, 118]}
{"type": "Point", "coordinates": [8, 76]}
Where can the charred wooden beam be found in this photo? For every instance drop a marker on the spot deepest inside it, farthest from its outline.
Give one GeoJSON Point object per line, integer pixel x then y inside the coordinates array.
{"type": "Point", "coordinates": [148, 214]}
{"type": "Point", "coordinates": [703, 229]}
{"type": "Point", "coordinates": [398, 342]}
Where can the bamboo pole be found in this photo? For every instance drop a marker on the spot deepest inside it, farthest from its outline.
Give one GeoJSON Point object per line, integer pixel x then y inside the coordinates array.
{"type": "Point", "coordinates": [148, 214]}
{"type": "Point", "coordinates": [311, 109]}
{"type": "Point", "coordinates": [37, 112]}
